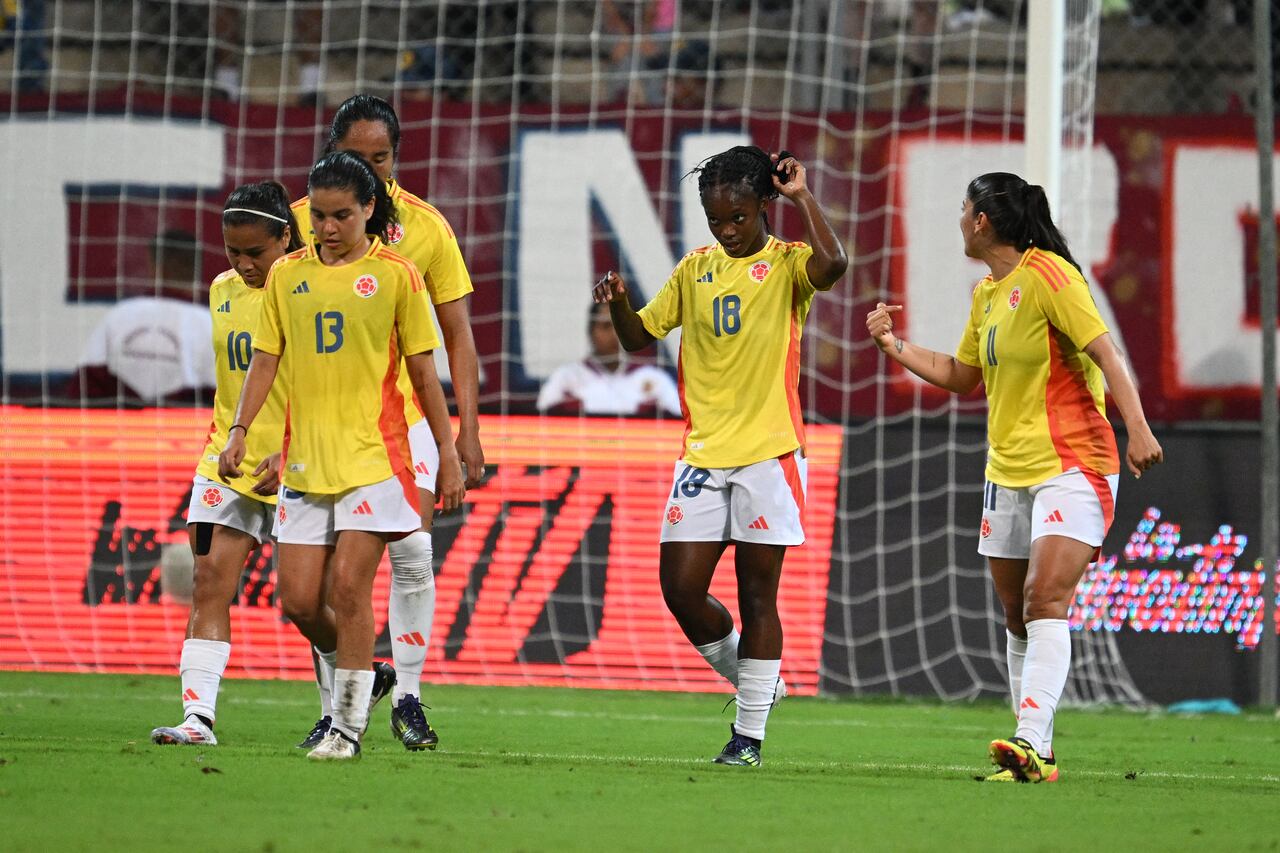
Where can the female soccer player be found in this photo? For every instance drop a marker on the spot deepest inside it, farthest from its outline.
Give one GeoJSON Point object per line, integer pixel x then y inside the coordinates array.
{"type": "Point", "coordinates": [1035, 340]}
{"type": "Point", "coordinates": [367, 126]}
{"type": "Point", "coordinates": [257, 228]}
{"type": "Point", "coordinates": [350, 312]}
{"type": "Point", "coordinates": [741, 303]}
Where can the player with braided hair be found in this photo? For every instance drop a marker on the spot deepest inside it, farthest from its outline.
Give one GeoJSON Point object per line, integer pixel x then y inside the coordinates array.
{"type": "Point", "coordinates": [741, 303]}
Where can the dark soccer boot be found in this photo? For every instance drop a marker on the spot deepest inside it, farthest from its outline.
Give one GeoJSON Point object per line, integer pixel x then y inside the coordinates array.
{"type": "Point", "coordinates": [410, 725]}
{"type": "Point", "coordinates": [741, 751]}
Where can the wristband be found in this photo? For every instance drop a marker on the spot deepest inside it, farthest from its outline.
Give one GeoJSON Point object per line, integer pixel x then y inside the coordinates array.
{"type": "Point", "coordinates": [237, 426]}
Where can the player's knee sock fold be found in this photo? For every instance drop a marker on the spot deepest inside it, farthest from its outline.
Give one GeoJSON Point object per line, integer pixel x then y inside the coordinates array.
{"type": "Point", "coordinates": [352, 689]}
{"type": "Point", "coordinates": [723, 656]}
{"type": "Point", "coordinates": [200, 667]}
{"type": "Point", "coordinates": [410, 610]}
{"type": "Point", "coordinates": [1015, 655]}
{"type": "Point", "coordinates": [326, 663]}
{"type": "Point", "coordinates": [1044, 675]}
{"type": "Point", "coordinates": [756, 681]}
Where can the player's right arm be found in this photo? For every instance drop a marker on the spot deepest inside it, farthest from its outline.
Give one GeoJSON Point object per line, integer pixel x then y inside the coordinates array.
{"type": "Point", "coordinates": [944, 371]}
{"type": "Point", "coordinates": [632, 334]}
{"type": "Point", "coordinates": [257, 385]}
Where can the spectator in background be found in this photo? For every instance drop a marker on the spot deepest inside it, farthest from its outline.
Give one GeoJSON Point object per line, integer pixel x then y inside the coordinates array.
{"type": "Point", "coordinates": [153, 349]}
{"type": "Point", "coordinates": [641, 37]}
{"type": "Point", "coordinates": [691, 85]}
{"type": "Point", "coordinates": [605, 382]}
{"type": "Point", "coordinates": [22, 27]}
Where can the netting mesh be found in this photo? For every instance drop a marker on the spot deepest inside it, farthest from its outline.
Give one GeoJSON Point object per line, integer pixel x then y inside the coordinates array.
{"type": "Point", "coordinates": [553, 135]}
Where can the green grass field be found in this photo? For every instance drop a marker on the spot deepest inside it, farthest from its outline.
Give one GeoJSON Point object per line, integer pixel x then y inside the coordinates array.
{"type": "Point", "coordinates": [543, 769]}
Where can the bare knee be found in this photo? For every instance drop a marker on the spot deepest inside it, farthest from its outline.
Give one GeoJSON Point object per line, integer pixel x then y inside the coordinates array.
{"type": "Point", "coordinates": [681, 596]}
{"type": "Point", "coordinates": [300, 608]}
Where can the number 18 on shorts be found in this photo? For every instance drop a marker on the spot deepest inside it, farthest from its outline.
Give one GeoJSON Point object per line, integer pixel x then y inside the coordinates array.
{"type": "Point", "coordinates": [762, 503]}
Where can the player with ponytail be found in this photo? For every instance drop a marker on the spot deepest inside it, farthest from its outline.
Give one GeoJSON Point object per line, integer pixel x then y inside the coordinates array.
{"type": "Point", "coordinates": [227, 521]}
{"type": "Point", "coordinates": [352, 314]}
{"type": "Point", "coordinates": [1035, 340]}
{"type": "Point", "coordinates": [741, 303]}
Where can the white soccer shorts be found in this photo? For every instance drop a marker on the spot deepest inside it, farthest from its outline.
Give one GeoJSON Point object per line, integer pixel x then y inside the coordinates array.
{"type": "Point", "coordinates": [218, 503]}
{"type": "Point", "coordinates": [1077, 504]}
{"type": "Point", "coordinates": [389, 506]}
{"type": "Point", "coordinates": [426, 456]}
{"type": "Point", "coordinates": [762, 502]}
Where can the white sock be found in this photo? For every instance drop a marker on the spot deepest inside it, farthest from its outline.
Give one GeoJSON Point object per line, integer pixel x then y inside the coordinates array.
{"type": "Point", "coordinates": [756, 682]}
{"type": "Point", "coordinates": [352, 689]}
{"type": "Point", "coordinates": [1015, 655]}
{"type": "Point", "coordinates": [1043, 678]}
{"type": "Point", "coordinates": [410, 610]}
{"type": "Point", "coordinates": [200, 667]}
{"type": "Point", "coordinates": [326, 663]}
{"type": "Point", "coordinates": [723, 655]}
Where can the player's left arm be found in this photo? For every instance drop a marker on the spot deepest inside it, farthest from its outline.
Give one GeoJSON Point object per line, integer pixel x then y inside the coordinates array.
{"type": "Point", "coordinates": [450, 488]}
{"type": "Point", "coordinates": [464, 369]}
{"type": "Point", "coordinates": [1143, 450]}
{"type": "Point", "coordinates": [829, 259]}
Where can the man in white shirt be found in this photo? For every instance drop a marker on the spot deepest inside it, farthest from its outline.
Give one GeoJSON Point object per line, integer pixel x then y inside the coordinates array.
{"type": "Point", "coordinates": [606, 382]}
{"type": "Point", "coordinates": [153, 348]}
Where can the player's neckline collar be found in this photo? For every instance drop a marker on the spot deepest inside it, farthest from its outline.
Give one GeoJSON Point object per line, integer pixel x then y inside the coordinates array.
{"type": "Point", "coordinates": [768, 244]}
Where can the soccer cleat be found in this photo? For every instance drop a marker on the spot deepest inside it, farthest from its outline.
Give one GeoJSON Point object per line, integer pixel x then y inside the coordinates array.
{"type": "Point", "coordinates": [410, 725]}
{"type": "Point", "coordinates": [317, 733]}
{"type": "Point", "coordinates": [335, 747]}
{"type": "Point", "coordinates": [740, 751]}
{"type": "Point", "coordinates": [1018, 757]}
{"type": "Point", "coordinates": [384, 679]}
{"type": "Point", "coordinates": [191, 731]}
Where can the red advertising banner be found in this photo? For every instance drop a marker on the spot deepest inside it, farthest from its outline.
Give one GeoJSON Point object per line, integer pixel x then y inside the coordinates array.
{"type": "Point", "coordinates": [550, 578]}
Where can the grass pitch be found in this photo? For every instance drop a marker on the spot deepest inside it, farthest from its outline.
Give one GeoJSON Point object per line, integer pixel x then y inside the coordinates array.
{"type": "Point", "coordinates": [544, 769]}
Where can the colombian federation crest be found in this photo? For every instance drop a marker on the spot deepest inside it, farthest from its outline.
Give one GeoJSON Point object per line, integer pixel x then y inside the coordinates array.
{"type": "Point", "coordinates": [280, 514]}
{"type": "Point", "coordinates": [211, 497]}
{"type": "Point", "coordinates": [674, 514]}
{"type": "Point", "coordinates": [759, 270]}
{"type": "Point", "coordinates": [1015, 298]}
{"type": "Point", "coordinates": [365, 286]}
{"type": "Point", "coordinates": [985, 530]}
{"type": "Point", "coordinates": [395, 233]}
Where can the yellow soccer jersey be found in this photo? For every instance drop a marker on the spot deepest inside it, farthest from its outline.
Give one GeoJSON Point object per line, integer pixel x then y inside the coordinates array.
{"type": "Point", "coordinates": [347, 329]}
{"type": "Point", "coordinates": [739, 376]}
{"type": "Point", "coordinates": [424, 237]}
{"type": "Point", "coordinates": [1045, 400]}
{"type": "Point", "coordinates": [235, 308]}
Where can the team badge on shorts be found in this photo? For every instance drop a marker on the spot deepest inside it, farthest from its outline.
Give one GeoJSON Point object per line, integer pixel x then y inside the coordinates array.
{"type": "Point", "coordinates": [1015, 298]}
{"type": "Point", "coordinates": [211, 497]}
{"type": "Point", "coordinates": [366, 286]}
{"type": "Point", "coordinates": [760, 270]}
{"type": "Point", "coordinates": [280, 514]}
{"type": "Point", "coordinates": [395, 233]}
{"type": "Point", "coordinates": [674, 514]}
{"type": "Point", "coordinates": [985, 529]}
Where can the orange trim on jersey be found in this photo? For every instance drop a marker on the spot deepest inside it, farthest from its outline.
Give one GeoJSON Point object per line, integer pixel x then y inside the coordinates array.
{"type": "Point", "coordinates": [302, 202]}
{"type": "Point", "coordinates": [703, 250]}
{"type": "Point", "coordinates": [791, 376]}
{"type": "Point", "coordinates": [400, 194]}
{"type": "Point", "coordinates": [415, 277]}
{"type": "Point", "coordinates": [684, 407]}
{"type": "Point", "coordinates": [391, 423]}
{"type": "Point", "coordinates": [1082, 437]}
{"type": "Point", "coordinates": [1053, 275]}
{"type": "Point", "coordinates": [1108, 501]}
{"type": "Point", "coordinates": [410, 487]}
{"type": "Point", "coordinates": [284, 440]}
{"type": "Point", "coordinates": [791, 473]}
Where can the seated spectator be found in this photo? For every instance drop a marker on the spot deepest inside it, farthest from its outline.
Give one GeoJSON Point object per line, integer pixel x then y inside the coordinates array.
{"type": "Point", "coordinates": [153, 349]}
{"type": "Point", "coordinates": [605, 382]}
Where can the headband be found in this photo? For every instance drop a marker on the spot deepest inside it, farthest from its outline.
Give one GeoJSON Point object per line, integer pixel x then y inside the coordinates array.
{"type": "Point", "coordinates": [255, 212]}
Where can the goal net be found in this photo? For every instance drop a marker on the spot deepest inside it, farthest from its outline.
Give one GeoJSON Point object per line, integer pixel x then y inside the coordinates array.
{"type": "Point", "coordinates": [554, 136]}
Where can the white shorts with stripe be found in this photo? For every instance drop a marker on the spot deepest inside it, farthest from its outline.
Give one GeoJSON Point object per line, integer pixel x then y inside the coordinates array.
{"type": "Point", "coordinates": [426, 456]}
{"type": "Point", "coordinates": [218, 503]}
{"type": "Point", "coordinates": [762, 502]}
{"type": "Point", "coordinates": [389, 506]}
{"type": "Point", "coordinates": [1077, 504]}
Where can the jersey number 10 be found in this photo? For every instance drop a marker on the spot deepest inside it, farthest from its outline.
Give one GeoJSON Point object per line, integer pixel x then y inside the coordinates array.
{"type": "Point", "coordinates": [239, 350]}
{"type": "Point", "coordinates": [724, 314]}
